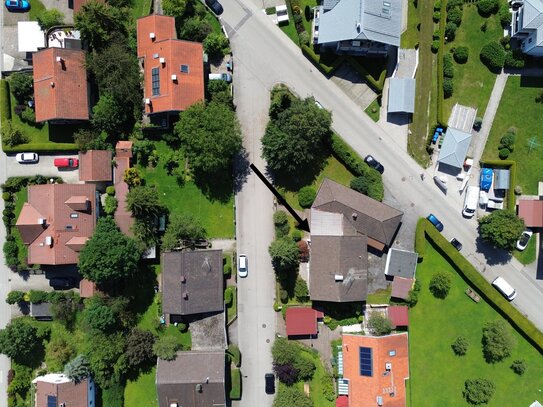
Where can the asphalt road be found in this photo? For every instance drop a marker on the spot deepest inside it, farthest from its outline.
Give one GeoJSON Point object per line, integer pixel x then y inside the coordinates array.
{"type": "Point", "coordinates": [265, 56]}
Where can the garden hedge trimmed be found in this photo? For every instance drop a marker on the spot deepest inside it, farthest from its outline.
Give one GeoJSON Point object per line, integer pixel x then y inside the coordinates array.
{"type": "Point", "coordinates": [376, 85]}
{"type": "Point", "coordinates": [316, 59]}
{"type": "Point", "coordinates": [41, 147]}
{"type": "Point", "coordinates": [512, 167]}
{"type": "Point", "coordinates": [470, 274]}
{"type": "Point", "coordinates": [235, 389]}
{"type": "Point", "coordinates": [440, 93]}
{"type": "Point", "coordinates": [5, 102]}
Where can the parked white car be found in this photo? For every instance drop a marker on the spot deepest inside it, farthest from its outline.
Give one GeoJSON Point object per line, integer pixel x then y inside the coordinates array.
{"type": "Point", "coordinates": [524, 239]}
{"type": "Point", "coordinates": [242, 266]}
{"type": "Point", "coordinates": [282, 13]}
{"type": "Point", "coordinates": [27, 158]}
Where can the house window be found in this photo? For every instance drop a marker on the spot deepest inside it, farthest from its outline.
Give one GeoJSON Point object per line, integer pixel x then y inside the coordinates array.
{"type": "Point", "coordinates": [366, 361]}
{"type": "Point", "coordinates": [184, 69]}
{"type": "Point", "coordinates": [391, 353]}
{"type": "Point", "coordinates": [74, 215]}
{"type": "Point", "coordinates": [155, 79]}
{"type": "Point", "coordinates": [69, 227]}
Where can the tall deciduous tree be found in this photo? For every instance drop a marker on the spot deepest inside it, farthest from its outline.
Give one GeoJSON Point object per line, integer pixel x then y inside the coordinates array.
{"type": "Point", "coordinates": [98, 22]}
{"type": "Point", "coordinates": [107, 115]}
{"type": "Point", "coordinates": [108, 255]}
{"type": "Point", "coordinates": [143, 201]}
{"type": "Point", "coordinates": [19, 340]}
{"type": "Point", "coordinates": [182, 227]}
{"type": "Point", "coordinates": [502, 228]}
{"type": "Point", "coordinates": [498, 342]}
{"type": "Point", "coordinates": [211, 135]}
{"type": "Point", "coordinates": [50, 18]}
{"type": "Point", "coordinates": [285, 255]}
{"type": "Point", "coordinates": [289, 396]}
{"type": "Point", "coordinates": [139, 347]}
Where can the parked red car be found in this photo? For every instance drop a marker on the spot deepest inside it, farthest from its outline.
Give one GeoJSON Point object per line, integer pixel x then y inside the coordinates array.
{"type": "Point", "coordinates": [66, 162]}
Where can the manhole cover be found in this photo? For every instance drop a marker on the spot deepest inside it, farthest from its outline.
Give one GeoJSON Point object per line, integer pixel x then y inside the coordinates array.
{"type": "Point", "coordinates": [263, 325]}
{"type": "Point", "coordinates": [412, 205]}
{"type": "Point", "coordinates": [403, 179]}
{"type": "Point", "coordinates": [267, 341]}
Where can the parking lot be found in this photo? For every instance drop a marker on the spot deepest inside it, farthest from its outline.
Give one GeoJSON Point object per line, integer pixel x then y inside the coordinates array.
{"type": "Point", "coordinates": [43, 167]}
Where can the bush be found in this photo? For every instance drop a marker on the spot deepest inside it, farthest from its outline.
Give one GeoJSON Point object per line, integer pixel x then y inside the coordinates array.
{"type": "Point", "coordinates": [487, 7]}
{"type": "Point", "coordinates": [379, 324]}
{"type": "Point", "coordinates": [296, 235]}
{"type": "Point", "coordinates": [303, 249]}
{"type": "Point", "coordinates": [35, 296]}
{"type": "Point", "coordinates": [478, 391]}
{"type": "Point", "coordinates": [301, 292]}
{"type": "Point", "coordinates": [460, 346]}
{"type": "Point", "coordinates": [234, 354]}
{"type": "Point", "coordinates": [6, 196]}
{"type": "Point", "coordinates": [12, 136]}
{"type": "Point", "coordinates": [280, 221]}
{"type": "Point", "coordinates": [113, 396]}
{"type": "Point", "coordinates": [519, 367]}
{"type": "Point", "coordinates": [504, 153]}
{"type": "Point", "coordinates": [478, 123]}
{"type": "Point", "coordinates": [22, 86]}
{"type": "Point", "coordinates": [508, 140]}
{"type": "Point", "coordinates": [110, 190]}
{"type": "Point", "coordinates": [461, 54]}
{"type": "Point", "coordinates": [493, 56]}
{"type": "Point", "coordinates": [370, 184]}
{"type": "Point", "coordinates": [304, 38]}
{"type": "Point", "coordinates": [515, 59]}
{"type": "Point", "coordinates": [216, 44]}
{"type": "Point", "coordinates": [436, 35]}
{"type": "Point", "coordinates": [182, 327]}
{"type": "Point", "coordinates": [440, 284]}
{"type": "Point", "coordinates": [110, 205]}
{"type": "Point", "coordinates": [437, 16]}
{"type": "Point", "coordinates": [498, 341]}
{"type": "Point", "coordinates": [305, 368]}
{"type": "Point", "coordinates": [270, 10]}
{"type": "Point", "coordinates": [454, 15]}
{"type": "Point", "coordinates": [11, 252]}
{"type": "Point", "coordinates": [437, 5]}
{"type": "Point", "coordinates": [227, 270]}
{"type": "Point", "coordinates": [435, 46]}
{"type": "Point", "coordinates": [28, 115]}
{"type": "Point", "coordinates": [306, 196]}
{"type": "Point", "coordinates": [228, 296]}
{"type": "Point", "coordinates": [413, 296]}
{"type": "Point", "coordinates": [447, 87]}
{"type": "Point", "coordinates": [450, 31]}
{"type": "Point", "coordinates": [15, 297]}
{"type": "Point", "coordinates": [448, 67]}
{"type": "Point", "coordinates": [455, 4]}
{"type": "Point", "coordinates": [286, 373]}
{"type": "Point", "coordinates": [327, 387]}
{"type": "Point", "coordinates": [505, 15]}
{"type": "Point", "coordinates": [283, 296]}
{"type": "Point", "coordinates": [235, 389]}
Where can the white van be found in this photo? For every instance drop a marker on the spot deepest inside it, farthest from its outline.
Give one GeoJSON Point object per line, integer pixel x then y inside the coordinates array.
{"type": "Point", "coordinates": [505, 288]}
{"type": "Point", "coordinates": [221, 77]}
{"type": "Point", "coordinates": [470, 201]}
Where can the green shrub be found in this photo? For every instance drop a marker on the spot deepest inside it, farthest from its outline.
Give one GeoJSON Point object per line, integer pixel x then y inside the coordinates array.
{"type": "Point", "coordinates": [283, 296]}
{"type": "Point", "coordinates": [479, 391]}
{"type": "Point", "coordinates": [478, 123]}
{"type": "Point", "coordinates": [437, 5]}
{"type": "Point", "coordinates": [435, 46]}
{"type": "Point", "coordinates": [460, 346]}
{"type": "Point", "coordinates": [15, 297]}
{"type": "Point", "coordinates": [11, 252]}
{"type": "Point", "coordinates": [227, 270]}
{"type": "Point", "coordinates": [297, 235]}
{"type": "Point", "coordinates": [21, 85]}
{"type": "Point", "coordinates": [503, 153]}
{"type": "Point", "coordinates": [305, 367]}
{"type": "Point", "coordinates": [488, 7]}
{"type": "Point", "coordinates": [234, 354]}
{"type": "Point", "coordinates": [28, 115]}
{"type": "Point", "coordinates": [235, 380]}
{"type": "Point", "coordinates": [519, 367]}
{"type": "Point", "coordinates": [515, 59]}
{"type": "Point", "coordinates": [437, 16]}
{"type": "Point", "coordinates": [316, 60]}
{"type": "Point", "coordinates": [280, 220]}
{"type": "Point", "coordinates": [228, 296]}
{"type": "Point", "coordinates": [327, 387]}
{"type": "Point", "coordinates": [420, 238]}
{"type": "Point", "coordinates": [447, 87]}
{"type": "Point", "coordinates": [6, 196]}
{"type": "Point", "coordinates": [304, 37]}
{"type": "Point", "coordinates": [498, 342]}
{"type": "Point", "coordinates": [113, 396]}
{"type": "Point", "coordinates": [461, 54]}
{"type": "Point", "coordinates": [448, 67]}
{"type": "Point", "coordinates": [440, 284]}
{"type": "Point", "coordinates": [182, 327]}
{"type": "Point", "coordinates": [110, 205]}
{"type": "Point", "coordinates": [379, 324]}
{"type": "Point", "coordinates": [306, 196]}
{"type": "Point", "coordinates": [508, 140]}
{"type": "Point", "coordinates": [110, 190]}
{"type": "Point", "coordinates": [450, 31]}
{"type": "Point", "coordinates": [436, 35]}
{"type": "Point", "coordinates": [12, 136]}
{"type": "Point", "coordinates": [505, 15]}
{"type": "Point", "coordinates": [455, 4]}
{"type": "Point", "coordinates": [454, 15]}
{"type": "Point", "coordinates": [270, 10]}
{"type": "Point", "coordinates": [35, 296]}
{"type": "Point", "coordinates": [493, 56]}
{"type": "Point", "coordinates": [301, 292]}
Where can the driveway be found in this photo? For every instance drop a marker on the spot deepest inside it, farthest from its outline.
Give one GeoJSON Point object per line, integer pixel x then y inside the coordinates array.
{"type": "Point", "coordinates": [43, 167]}
{"type": "Point", "coordinates": [11, 59]}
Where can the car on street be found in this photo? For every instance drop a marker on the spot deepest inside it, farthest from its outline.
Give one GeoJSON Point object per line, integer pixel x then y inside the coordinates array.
{"type": "Point", "coordinates": [318, 104]}
{"type": "Point", "coordinates": [242, 266]}
{"type": "Point", "coordinates": [62, 282]}
{"type": "Point", "coordinates": [457, 245]}
{"type": "Point", "coordinates": [504, 288]}
{"type": "Point", "coordinates": [215, 6]}
{"type": "Point", "coordinates": [524, 239]}
{"type": "Point", "coordinates": [66, 162]}
{"type": "Point", "coordinates": [435, 221]}
{"type": "Point", "coordinates": [373, 163]}
{"type": "Point", "coordinates": [17, 5]}
{"type": "Point", "coordinates": [227, 77]}
{"type": "Point", "coordinates": [270, 383]}
{"type": "Point", "coordinates": [27, 158]}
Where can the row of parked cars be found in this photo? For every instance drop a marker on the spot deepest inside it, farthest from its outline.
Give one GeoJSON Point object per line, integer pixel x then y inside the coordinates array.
{"type": "Point", "coordinates": [32, 158]}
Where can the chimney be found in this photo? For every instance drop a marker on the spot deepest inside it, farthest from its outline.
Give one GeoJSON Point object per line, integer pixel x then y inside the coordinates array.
{"type": "Point", "coordinates": [338, 277]}
{"type": "Point", "coordinates": [152, 36]}
{"type": "Point", "coordinates": [147, 101]}
{"type": "Point", "coordinates": [174, 78]}
{"type": "Point", "coordinates": [183, 279]}
{"type": "Point", "coordinates": [186, 295]}
{"type": "Point", "coordinates": [355, 215]}
{"type": "Point", "coordinates": [162, 60]}
{"type": "Point", "coordinates": [52, 84]}
{"type": "Point", "coordinates": [59, 59]}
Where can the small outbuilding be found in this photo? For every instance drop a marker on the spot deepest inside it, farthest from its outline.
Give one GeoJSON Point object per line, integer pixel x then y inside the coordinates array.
{"type": "Point", "coordinates": [398, 315]}
{"type": "Point", "coordinates": [532, 212]}
{"type": "Point", "coordinates": [455, 147]}
{"type": "Point", "coordinates": [401, 95]}
{"type": "Point", "coordinates": [302, 321]}
{"type": "Point", "coordinates": [41, 311]}
{"type": "Point", "coordinates": [401, 287]}
{"type": "Point", "coordinates": [501, 179]}
{"type": "Point", "coordinates": [401, 263]}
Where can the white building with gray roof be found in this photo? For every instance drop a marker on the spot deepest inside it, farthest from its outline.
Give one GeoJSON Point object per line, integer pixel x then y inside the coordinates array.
{"type": "Point", "coordinates": [527, 26]}
{"type": "Point", "coordinates": [358, 27]}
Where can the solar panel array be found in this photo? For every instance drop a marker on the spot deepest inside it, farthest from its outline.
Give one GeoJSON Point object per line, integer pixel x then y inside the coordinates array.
{"type": "Point", "coordinates": [51, 401]}
{"type": "Point", "coordinates": [366, 361]}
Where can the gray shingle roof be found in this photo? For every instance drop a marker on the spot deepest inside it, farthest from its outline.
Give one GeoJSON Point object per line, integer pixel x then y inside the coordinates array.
{"type": "Point", "coordinates": [401, 263]}
{"type": "Point", "coordinates": [193, 379]}
{"type": "Point", "coordinates": [455, 147]}
{"type": "Point", "coordinates": [401, 95]}
{"type": "Point", "coordinates": [199, 275]}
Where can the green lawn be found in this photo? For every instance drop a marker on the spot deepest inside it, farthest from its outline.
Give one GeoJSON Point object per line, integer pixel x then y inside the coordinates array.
{"type": "Point", "coordinates": [528, 255]}
{"type": "Point", "coordinates": [232, 310]}
{"type": "Point", "coordinates": [411, 35]}
{"type": "Point", "coordinates": [380, 296]}
{"type": "Point", "coordinates": [141, 8]}
{"type": "Point", "coordinates": [290, 30]}
{"type": "Point", "coordinates": [473, 82]}
{"type": "Point", "coordinates": [217, 217]}
{"type": "Point", "coordinates": [519, 109]}
{"type": "Point", "coordinates": [20, 198]}
{"type": "Point", "coordinates": [437, 375]}
{"type": "Point", "coordinates": [373, 110]}
{"type": "Point", "coordinates": [141, 392]}
{"type": "Point", "coordinates": [315, 386]}
{"type": "Point", "coordinates": [333, 170]}
{"type": "Point", "coordinates": [36, 8]}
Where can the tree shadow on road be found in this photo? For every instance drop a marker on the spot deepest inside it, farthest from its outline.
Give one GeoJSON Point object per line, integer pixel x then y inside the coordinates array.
{"type": "Point", "coordinates": [493, 256]}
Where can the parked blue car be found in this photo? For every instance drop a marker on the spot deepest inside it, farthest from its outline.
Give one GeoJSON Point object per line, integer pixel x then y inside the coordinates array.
{"type": "Point", "coordinates": [435, 221]}
{"type": "Point", "coordinates": [17, 5]}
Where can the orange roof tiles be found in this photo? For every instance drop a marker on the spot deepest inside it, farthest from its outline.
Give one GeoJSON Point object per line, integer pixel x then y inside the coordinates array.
{"type": "Point", "coordinates": [64, 391]}
{"type": "Point", "coordinates": [47, 223]}
{"type": "Point", "coordinates": [532, 212]}
{"type": "Point", "coordinates": [87, 288]}
{"type": "Point", "coordinates": [178, 80]}
{"type": "Point", "coordinates": [60, 87]}
{"type": "Point", "coordinates": [95, 165]}
{"type": "Point", "coordinates": [364, 390]}
{"type": "Point", "coordinates": [399, 315]}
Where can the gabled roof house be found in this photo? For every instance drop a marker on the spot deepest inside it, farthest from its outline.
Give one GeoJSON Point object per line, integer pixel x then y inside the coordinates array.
{"type": "Point", "coordinates": [57, 221]}
{"type": "Point", "coordinates": [192, 283]}
{"type": "Point", "coordinates": [527, 26]}
{"type": "Point", "coordinates": [60, 85]}
{"type": "Point", "coordinates": [358, 27]}
{"type": "Point", "coordinates": [192, 379]}
{"type": "Point", "coordinates": [173, 70]}
{"type": "Point", "coordinates": [95, 166]}
{"type": "Point", "coordinates": [55, 389]}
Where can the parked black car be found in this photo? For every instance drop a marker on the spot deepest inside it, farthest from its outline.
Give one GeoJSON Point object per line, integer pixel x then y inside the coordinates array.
{"type": "Point", "coordinates": [215, 6]}
{"type": "Point", "coordinates": [373, 163]}
{"type": "Point", "coordinates": [270, 383]}
{"type": "Point", "coordinates": [457, 245]}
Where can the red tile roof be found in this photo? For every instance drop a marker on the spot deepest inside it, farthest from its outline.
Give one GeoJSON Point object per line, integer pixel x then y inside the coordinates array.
{"type": "Point", "coordinates": [79, 3]}
{"type": "Point", "coordinates": [532, 212]}
{"type": "Point", "coordinates": [65, 392]}
{"type": "Point", "coordinates": [401, 287]}
{"type": "Point", "coordinates": [87, 288]}
{"type": "Point", "coordinates": [56, 221]}
{"type": "Point", "coordinates": [168, 54]}
{"type": "Point", "coordinates": [364, 390]}
{"type": "Point", "coordinates": [123, 217]}
{"type": "Point", "coordinates": [95, 165]}
{"type": "Point", "coordinates": [60, 87]}
{"type": "Point", "coordinates": [342, 401]}
{"type": "Point", "coordinates": [399, 315]}
{"type": "Point", "coordinates": [301, 321]}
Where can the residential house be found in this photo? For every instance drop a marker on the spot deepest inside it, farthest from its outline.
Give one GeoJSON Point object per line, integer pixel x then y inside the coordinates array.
{"type": "Point", "coordinates": [193, 379]}
{"type": "Point", "coordinates": [192, 283]}
{"type": "Point", "coordinates": [123, 156]}
{"type": "Point", "coordinates": [173, 70]}
{"type": "Point", "coordinates": [531, 211]}
{"type": "Point", "coordinates": [55, 389]}
{"type": "Point", "coordinates": [375, 370]}
{"type": "Point", "coordinates": [358, 27]}
{"type": "Point", "coordinates": [60, 85]}
{"type": "Point", "coordinates": [95, 166]}
{"type": "Point", "coordinates": [527, 26]}
{"type": "Point", "coordinates": [56, 222]}
{"type": "Point", "coordinates": [454, 149]}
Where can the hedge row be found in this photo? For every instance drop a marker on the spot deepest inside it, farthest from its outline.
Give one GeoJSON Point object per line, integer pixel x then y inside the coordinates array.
{"type": "Point", "coordinates": [40, 147]}
{"type": "Point", "coordinates": [512, 166]}
{"type": "Point", "coordinates": [376, 85]}
{"type": "Point", "coordinates": [235, 355]}
{"type": "Point", "coordinates": [5, 102]}
{"type": "Point", "coordinates": [470, 274]}
{"type": "Point", "coordinates": [420, 239]}
{"type": "Point", "coordinates": [440, 94]}
{"type": "Point", "coordinates": [316, 59]}
{"type": "Point", "coordinates": [235, 390]}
